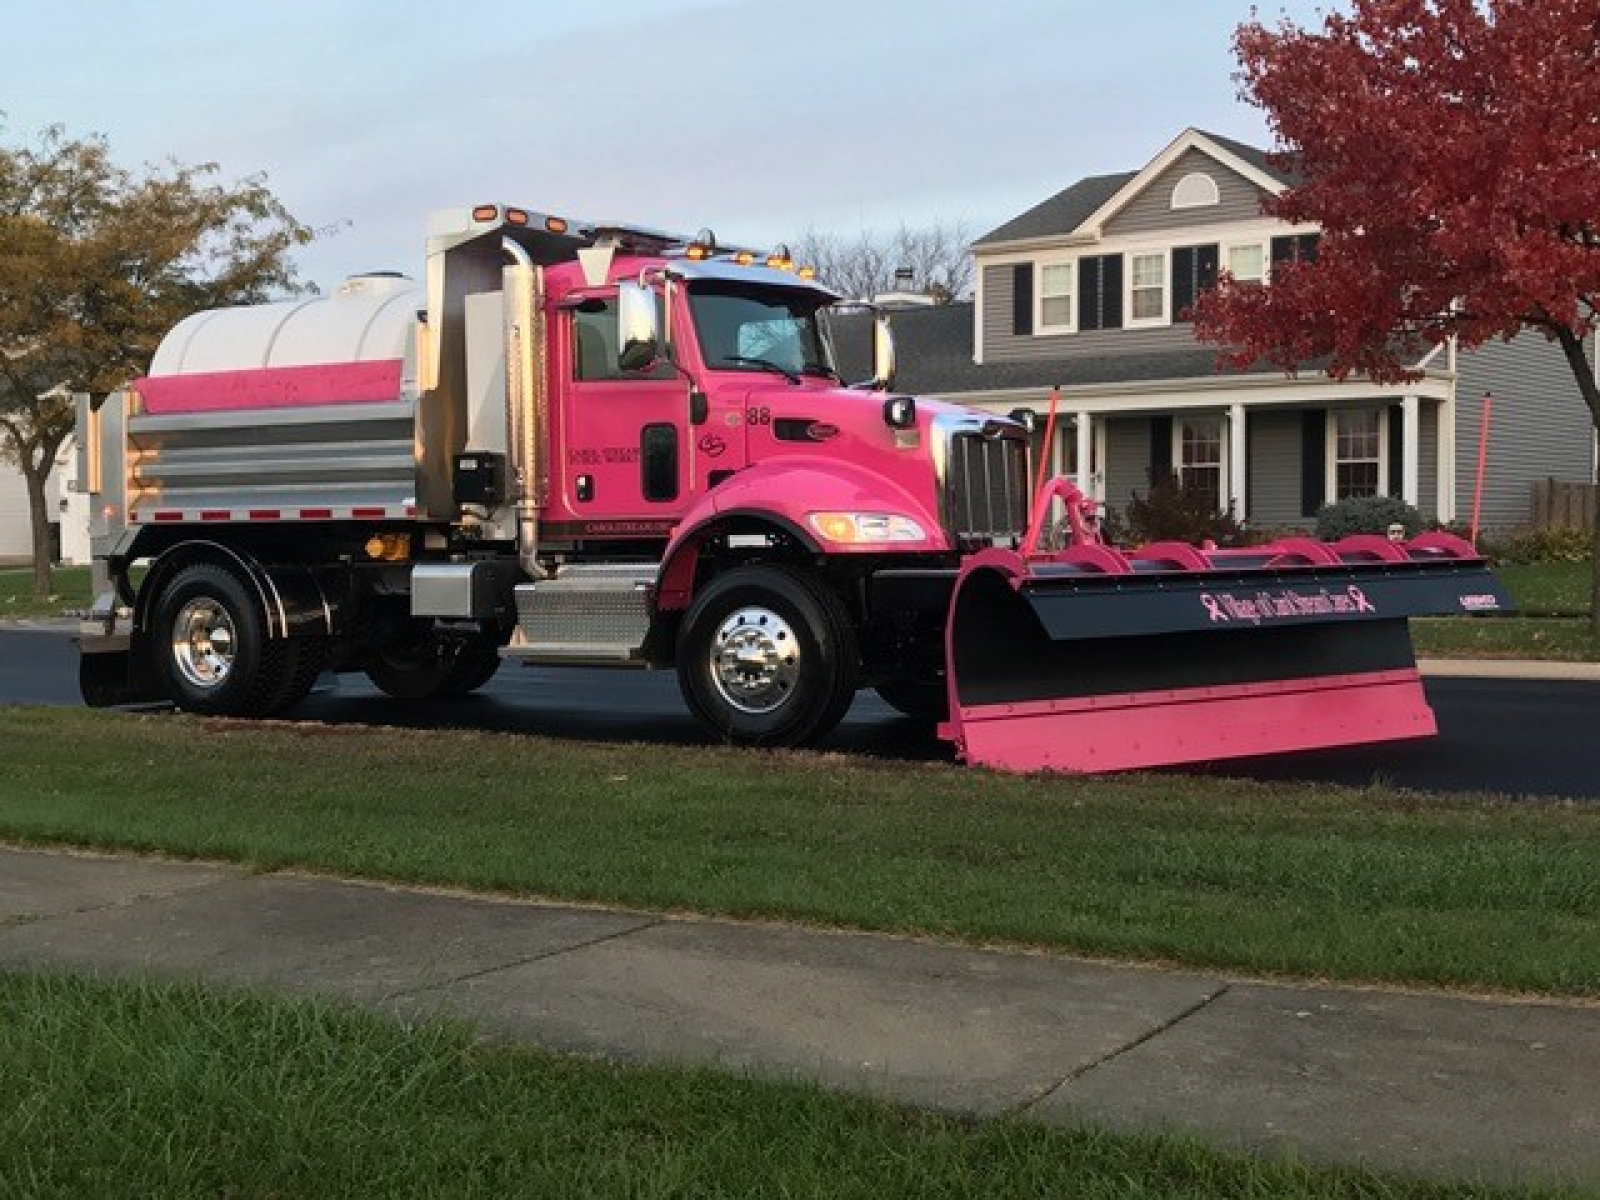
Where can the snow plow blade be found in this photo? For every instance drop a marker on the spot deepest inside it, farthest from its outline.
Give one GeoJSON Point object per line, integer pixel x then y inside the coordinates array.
{"type": "Point", "coordinates": [1093, 660]}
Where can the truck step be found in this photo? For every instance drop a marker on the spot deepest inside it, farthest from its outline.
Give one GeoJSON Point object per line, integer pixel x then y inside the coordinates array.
{"type": "Point", "coordinates": [587, 614]}
{"type": "Point", "coordinates": [572, 654]}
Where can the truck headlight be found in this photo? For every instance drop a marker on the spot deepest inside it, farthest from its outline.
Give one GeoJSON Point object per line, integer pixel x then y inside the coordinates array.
{"type": "Point", "coordinates": [855, 529]}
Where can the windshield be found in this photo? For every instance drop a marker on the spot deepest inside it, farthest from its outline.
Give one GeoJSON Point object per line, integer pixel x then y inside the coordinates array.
{"type": "Point", "coordinates": [746, 329]}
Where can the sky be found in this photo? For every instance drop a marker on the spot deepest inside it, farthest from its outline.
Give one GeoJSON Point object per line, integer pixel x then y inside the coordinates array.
{"type": "Point", "coordinates": [761, 120]}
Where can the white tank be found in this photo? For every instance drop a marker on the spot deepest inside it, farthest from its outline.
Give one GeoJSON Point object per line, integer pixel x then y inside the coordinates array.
{"type": "Point", "coordinates": [369, 318]}
{"type": "Point", "coordinates": [290, 445]}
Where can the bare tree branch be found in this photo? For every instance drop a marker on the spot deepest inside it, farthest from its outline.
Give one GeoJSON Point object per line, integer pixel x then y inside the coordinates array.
{"type": "Point", "coordinates": [865, 266]}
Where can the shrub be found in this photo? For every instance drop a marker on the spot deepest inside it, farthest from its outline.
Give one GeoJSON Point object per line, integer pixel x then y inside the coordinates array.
{"type": "Point", "coordinates": [1366, 514]}
{"type": "Point", "coordinates": [1171, 512]}
{"type": "Point", "coordinates": [1564, 544]}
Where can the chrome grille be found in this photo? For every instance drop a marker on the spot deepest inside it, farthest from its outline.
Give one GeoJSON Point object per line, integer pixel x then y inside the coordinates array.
{"type": "Point", "coordinates": [986, 486]}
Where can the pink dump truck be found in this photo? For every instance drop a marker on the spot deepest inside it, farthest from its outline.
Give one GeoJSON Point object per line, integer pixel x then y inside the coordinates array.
{"type": "Point", "coordinates": [579, 444]}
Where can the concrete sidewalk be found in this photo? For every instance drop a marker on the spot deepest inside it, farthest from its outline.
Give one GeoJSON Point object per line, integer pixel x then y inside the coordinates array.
{"type": "Point", "coordinates": [1436, 1085]}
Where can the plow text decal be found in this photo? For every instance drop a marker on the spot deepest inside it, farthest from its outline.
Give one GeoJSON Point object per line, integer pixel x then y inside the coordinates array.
{"type": "Point", "coordinates": [1285, 605]}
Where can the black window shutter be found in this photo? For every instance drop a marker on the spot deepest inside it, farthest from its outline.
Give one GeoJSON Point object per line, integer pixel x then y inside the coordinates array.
{"type": "Point", "coordinates": [1295, 248]}
{"type": "Point", "coordinates": [1111, 292]}
{"type": "Point", "coordinates": [1397, 456]}
{"type": "Point", "coordinates": [1183, 288]}
{"type": "Point", "coordinates": [1100, 292]}
{"type": "Point", "coordinates": [1160, 449]}
{"type": "Point", "coordinates": [1194, 270]}
{"type": "Point", "coordinates": [1089, 292]}
{"type": "Point", "coordinates": [1313, 461]}
{"type": "Point", "coordinates": [1022, 299]}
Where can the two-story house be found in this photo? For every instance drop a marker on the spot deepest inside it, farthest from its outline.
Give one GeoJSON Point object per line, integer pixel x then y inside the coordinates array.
{"type": "Point", "coordinates": [1088, 291]}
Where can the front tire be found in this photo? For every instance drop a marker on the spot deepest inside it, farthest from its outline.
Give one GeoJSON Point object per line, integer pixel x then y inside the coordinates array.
{"type": "Point", "coordinates": [767, 657]}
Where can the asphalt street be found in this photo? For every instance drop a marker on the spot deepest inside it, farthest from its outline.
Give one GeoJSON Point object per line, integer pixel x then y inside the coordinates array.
{"type": "Point", "coordinates": [1512, 736]}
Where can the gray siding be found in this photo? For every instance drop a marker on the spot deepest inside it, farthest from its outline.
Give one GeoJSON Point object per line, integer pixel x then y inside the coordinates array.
{"type": "Point", "coordinates": [1001, 345]}
{"type": "Point", "coordinates": [1151, 210]}
{"type": "Point", "coordinates": [1127, 465]}
{"type": "Point", "coordinates": [1540, 426]}
{"type": "Point", "coordinates": [1273, 453]}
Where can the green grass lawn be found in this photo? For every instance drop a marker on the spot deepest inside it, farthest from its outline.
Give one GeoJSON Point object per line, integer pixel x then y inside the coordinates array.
{"type": "Point", "coordinates": [1281, 880]}
{"type": "Point", "coordinates": [1547, 639]}
{"type": "Point", "coordinates": [71, 585]}
{"type": "Point", "coordinates": [137, 1089]}
{"type": "Point", "coordinates": [1553, 589]}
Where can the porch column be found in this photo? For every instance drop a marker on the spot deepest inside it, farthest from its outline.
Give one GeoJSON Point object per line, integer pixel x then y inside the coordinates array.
{"type": "Point", "coordinates": [1085, 476]}
{"type": "Point", "coordinates": [1410, 450]}
{"type": "Point", "coordinates": [1444, 419]}
{"type": "Point", "coordinates": [1238, 462]}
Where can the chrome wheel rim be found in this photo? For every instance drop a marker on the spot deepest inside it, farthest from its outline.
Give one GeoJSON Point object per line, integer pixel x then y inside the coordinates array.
{"type": "Point", "coordinates": [755, 660]}
{"type": "Point", "coordinates": [203, 642]}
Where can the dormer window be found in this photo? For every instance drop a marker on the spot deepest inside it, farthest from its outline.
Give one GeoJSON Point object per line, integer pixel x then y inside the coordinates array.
{"type": "Point", "coordinates": [1196, 190]}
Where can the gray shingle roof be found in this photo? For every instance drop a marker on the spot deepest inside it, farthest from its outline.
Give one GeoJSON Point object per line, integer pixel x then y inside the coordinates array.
{"type": "Point", "coordinates": [1262, 160]}
{"type": "Point", "coordinates": [1060, 214]}
{"type": "Point", "coordinates": [1065, 211]}
{"type": "Point", "coordinates": [934, 352]}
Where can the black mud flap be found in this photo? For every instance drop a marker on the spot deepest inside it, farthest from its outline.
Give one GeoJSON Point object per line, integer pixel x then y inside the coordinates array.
{"type": "Point", "coordinates": [111, 672]}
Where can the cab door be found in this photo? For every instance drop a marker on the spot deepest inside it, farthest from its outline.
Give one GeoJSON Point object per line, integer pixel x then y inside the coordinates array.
{"type": "Point", "coordinates": [624, 445]}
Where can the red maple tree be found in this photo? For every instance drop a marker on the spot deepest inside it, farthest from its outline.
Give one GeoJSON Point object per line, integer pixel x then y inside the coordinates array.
{"type": "Point", "coordinates": [1449, 151]}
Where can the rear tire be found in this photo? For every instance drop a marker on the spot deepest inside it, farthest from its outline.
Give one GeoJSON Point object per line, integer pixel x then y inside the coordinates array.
{"type": "Point", "coordinates": [476, 663]}
{"type": "Point", "coordinates": [767, 657]}
{"type": "Point", "coordinates": [410, 670]}
{"type": "Point", "coordinates": [427, 667]}
{"type": "Point", "coordinates": [212, 652]}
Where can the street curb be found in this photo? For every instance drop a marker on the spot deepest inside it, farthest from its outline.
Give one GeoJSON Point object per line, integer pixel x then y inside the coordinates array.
{"type": "Point", "coordinates": [1479, 668]}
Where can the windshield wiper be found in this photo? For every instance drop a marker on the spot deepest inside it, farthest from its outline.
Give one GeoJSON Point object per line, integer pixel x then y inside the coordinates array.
{"type": "Point", "coordinates": [822, 369]}
{"type": "Point", "coordinates": [766, 364]}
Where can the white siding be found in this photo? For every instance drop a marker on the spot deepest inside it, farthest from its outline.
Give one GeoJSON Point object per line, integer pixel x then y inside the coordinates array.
{"type": "Point", "coordinates": [16, 543]}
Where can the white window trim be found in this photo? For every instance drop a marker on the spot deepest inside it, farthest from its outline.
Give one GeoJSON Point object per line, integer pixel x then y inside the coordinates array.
{"type": "Point", "coordinates": [1263, 244]}
{"type": "Point", "coordinates": [1040, 326]}
{"type": "Point", "coordinates": [1224, 481]}
{"type": "Point", "coordinates": [1195, 190]}
{"type": "Point", "coordinates": [1129, 321]}
{"type": "Point", "coordinates": [1330, 475]}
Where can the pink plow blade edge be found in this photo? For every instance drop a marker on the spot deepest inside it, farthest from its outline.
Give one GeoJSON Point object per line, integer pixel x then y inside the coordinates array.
{"type": "Point", "coordinates": [1187, 725]}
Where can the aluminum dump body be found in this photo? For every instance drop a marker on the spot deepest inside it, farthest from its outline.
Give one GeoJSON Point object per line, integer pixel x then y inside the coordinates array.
{"type": "Point", "coordinates": [304, 409]}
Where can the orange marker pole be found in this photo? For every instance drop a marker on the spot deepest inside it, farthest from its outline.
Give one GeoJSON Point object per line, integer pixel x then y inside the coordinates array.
{"type": "Point", "coordinates": [1483, 463]}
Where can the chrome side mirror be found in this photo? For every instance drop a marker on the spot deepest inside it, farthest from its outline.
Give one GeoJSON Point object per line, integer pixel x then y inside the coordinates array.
{"type": "Point", "coordinates": [638, 327]}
